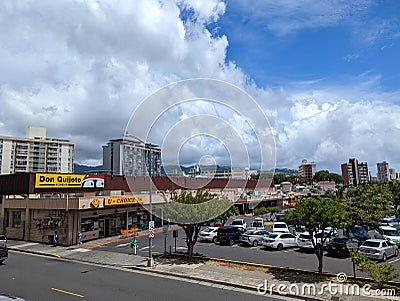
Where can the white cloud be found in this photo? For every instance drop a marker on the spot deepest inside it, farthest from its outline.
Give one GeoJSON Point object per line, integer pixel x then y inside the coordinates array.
{"type": "Point", "coordinates": [81, 68]}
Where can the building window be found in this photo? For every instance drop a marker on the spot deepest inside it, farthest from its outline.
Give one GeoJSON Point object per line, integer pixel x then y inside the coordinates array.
{"type": "Point", "coordinates": [16, 221]}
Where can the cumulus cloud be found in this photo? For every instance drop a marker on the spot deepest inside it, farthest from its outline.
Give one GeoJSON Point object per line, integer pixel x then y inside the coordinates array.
{"type": "Point", "coordinates": [81, 68]}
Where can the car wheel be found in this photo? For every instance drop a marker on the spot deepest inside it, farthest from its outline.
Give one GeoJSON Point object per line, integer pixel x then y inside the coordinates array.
{"type": "Point", "coordinates": [255, 243]}
{"type": "Point", "coordinates": [279, 247]}
{"type": "Point", "coordinates": [384, 257]}
{"type": "Point", "coordinates": [214, 240]}
{"type": "Point", "coordinates": [231, 242]}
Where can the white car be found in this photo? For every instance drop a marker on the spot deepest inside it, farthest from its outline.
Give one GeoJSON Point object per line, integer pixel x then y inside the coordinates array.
{"type": "Point", "coordinates": [303, 240]}
{"type": "Point", "coordinates": [208, 234]}
{"type": "Point", "coordinates": [253, 237]}
{"type": "Point", "coordinates": [239, 223]}
{"type": "Point", "coordinates": [380, 249]}
{"type": "Point", "coordinates": [280, 227]}
{"type": "Point", "coordinates": [279, 241]}
{"type": "Point", "coordinates": [388, 233]}
{"type": "Point", "coordinates": [258, 223]}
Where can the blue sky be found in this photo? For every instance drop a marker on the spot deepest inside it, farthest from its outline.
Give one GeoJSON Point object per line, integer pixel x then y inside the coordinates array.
{"type": "Point", "coordinates": [324, 73]}
{"type": "Point", "coordinates": [276, 48]}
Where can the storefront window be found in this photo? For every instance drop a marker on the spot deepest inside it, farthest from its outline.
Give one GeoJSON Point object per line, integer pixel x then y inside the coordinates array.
{"type": "Point", "coordinates": [89, 224]}
{"type": "Point", "coordinates": [16, 219]}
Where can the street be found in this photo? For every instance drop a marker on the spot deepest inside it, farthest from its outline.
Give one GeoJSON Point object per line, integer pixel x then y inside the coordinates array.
{"type": "Point", "coordinates": [42, 278]}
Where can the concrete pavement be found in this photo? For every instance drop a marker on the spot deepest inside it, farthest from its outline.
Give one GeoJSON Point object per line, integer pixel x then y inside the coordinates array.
{"type": "Point", "coordinates": [223, 273]}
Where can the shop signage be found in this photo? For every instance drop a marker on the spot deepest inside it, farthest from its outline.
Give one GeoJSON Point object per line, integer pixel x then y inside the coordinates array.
{"type": "Point", "coordinates": [95, 203]}
{"type": "Point", "coordinates": [52, 180]}
{"type": "Point", "coordinates": [123, 200]}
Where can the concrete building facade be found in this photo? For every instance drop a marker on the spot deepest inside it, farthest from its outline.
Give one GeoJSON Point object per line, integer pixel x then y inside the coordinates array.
{"type": "Point", "coordinates": [383, 172]}
{"type": "Point", "coordinates": [355, 172]}
{"type": "Point", "coordinates": [35, 153]}
{"type": "Point", "coordinates": [307, 170]}
{"type": "Point", "coordinates": [130, 157]}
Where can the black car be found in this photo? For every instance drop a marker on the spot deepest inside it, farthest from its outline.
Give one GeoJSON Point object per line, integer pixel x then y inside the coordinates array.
{"type": "Point", "coordinates": [342, 246]}
{"type": "Point", "coordinates": [229, 234]}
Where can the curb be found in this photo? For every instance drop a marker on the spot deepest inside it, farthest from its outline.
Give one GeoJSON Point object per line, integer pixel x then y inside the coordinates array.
{"type": "Point", "coordinates": [34, 252]}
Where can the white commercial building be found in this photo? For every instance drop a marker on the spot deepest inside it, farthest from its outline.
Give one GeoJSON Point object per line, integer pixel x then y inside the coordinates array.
{"type": "Point", "coordinates": [35, 153]}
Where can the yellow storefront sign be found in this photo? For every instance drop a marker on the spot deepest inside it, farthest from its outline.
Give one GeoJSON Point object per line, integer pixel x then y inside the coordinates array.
{"type": "Point", "coordinates": [48, 180]}
{"type": "Point", "coordinates": [123, 200]}
{"type": "Point", "coordinates": [95, 203]}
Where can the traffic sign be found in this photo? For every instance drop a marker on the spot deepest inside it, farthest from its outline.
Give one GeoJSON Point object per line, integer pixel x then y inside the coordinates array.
{"type": "Point", "coordinates": [165, 230]}
{"type": "Point", "coordinates": [151, 229]}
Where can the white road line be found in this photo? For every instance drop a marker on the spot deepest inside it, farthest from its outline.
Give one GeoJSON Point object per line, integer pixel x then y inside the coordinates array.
{"type": "Point", "coordinates": [394, 260]}
{"type": "Point", "coordinates": [123, 245]}
{"type": "Point", "coordinates": [145, 248]}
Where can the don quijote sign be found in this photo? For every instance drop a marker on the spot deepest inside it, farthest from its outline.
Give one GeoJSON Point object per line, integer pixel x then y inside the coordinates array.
{"type": "Point", "coordinates": [123, 200]}
{"type": "Point", "coordinates": [49, 180]}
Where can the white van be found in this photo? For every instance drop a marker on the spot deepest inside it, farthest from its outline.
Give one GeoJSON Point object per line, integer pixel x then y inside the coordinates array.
{"type": "Point", "coordinates": [280, 227]}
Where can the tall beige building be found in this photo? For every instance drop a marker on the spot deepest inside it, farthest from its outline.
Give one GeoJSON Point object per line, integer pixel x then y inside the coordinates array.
{"type": "Point", "coordinates": [36, 153]}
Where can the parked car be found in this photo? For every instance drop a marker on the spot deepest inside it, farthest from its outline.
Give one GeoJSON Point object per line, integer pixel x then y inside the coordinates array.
{"type": "Point", "coordinates": [208, 234]}
{"type": "Point", "coordinates": [380, 249]}
{"type": "Point", "coordinates": [258, 223]}
{"type": "Point", "coordinates": [388, 233]}
{"type": "Point", "coordinates": [299, 229]}
{"type": "Point", "coordinates": [3, 249]}
{"type": "Point", "coordinates": [253, 237]}
{"type": "Point", "coordinates": [304, 241]}
{"type": "Point", "coordinates": [391, 221]}
{"type": "Point", "coordinates": [280, 227]}
{"type": "Point", "coordinates": [279, 241]}
{"type": "Point", "coordinates": [239, 223]}
{"type": "Point", "coordinates": [229, 234]}
{"type": "Point", "coordinates": [342, 246]}
{"type": "Point", "coordinates": [359, 233]}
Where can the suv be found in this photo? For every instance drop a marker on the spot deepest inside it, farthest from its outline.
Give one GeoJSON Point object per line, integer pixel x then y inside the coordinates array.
{"type": "Point", "coordinates": [280, 227]}
{"type": "Point", "coordinates": [3, 248]}
{"type": "Point", "coordinates": [304, 242]}
{"type": "Point", "coordinates": [388, 233]}
{"type": "Point", "coordinates": [229, 234]}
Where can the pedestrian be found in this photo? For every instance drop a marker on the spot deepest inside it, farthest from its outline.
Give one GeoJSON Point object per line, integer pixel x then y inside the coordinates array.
{"type": "Point", "coordinates": [55, 238]}
{"type": "Point", "coordinates": [79, 238]}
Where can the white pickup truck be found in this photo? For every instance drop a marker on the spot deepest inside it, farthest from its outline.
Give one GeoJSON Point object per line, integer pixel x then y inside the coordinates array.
{"type": "Point", "coordinates": [3, 248]}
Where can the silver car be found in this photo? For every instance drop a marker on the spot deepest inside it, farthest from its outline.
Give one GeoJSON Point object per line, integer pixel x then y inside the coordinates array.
{"type": "Point", "coordinates": [380, 249]}
{"type": "Point", "coordinates": [208, 234]}
{"type": "Point", "coordinates": [253, 237]}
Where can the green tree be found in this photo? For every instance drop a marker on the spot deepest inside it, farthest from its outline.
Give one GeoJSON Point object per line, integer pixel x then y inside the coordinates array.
{"type": "Point", "coordinates": [279, 178]}
{"type": "Point", "coordinates": [325, 175]}
{"type": "Point", "coordinates": [380, 273]}
{"type": "Point", "coordinates": [395, 190]}
{"type": "Point", "coordinates": [191, 211]}
{"type": "Point", "coordinates": [316, 214]}
{"type": "Point", "coordinates": [369, 202]}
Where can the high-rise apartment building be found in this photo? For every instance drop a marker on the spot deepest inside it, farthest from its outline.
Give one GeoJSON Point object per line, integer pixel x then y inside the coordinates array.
{"type": "Point", "coordinates": [131, 157]}
{"type": "Point", "coordinates": [355, 172]}
{"type": "Point", "coordinates": [307, 170]}
{"type": "Point", "coordinates": [383, 172]}
{"type": "Point", "coordinates": [36, 153]}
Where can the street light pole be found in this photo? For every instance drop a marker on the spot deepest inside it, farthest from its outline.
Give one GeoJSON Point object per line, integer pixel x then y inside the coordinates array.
{"type": "Point", "coordinates": [151, 226]}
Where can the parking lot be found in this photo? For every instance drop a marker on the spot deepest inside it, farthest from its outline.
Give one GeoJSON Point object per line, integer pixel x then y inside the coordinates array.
{"type": "Point", "coordinates": [292, 257]}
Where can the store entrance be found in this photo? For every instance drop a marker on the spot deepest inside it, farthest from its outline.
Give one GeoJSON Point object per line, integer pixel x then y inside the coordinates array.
{"type": "Point", "coordinates": [107, 227]}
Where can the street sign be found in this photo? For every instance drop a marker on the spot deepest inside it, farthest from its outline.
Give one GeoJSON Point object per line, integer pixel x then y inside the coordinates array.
{"type": "Point", "coordinates": [151, 229]}
{"type": "Point", "coordinates": [165, 230]}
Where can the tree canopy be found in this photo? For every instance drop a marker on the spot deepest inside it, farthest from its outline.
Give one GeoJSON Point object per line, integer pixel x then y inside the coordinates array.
{"type": "Point", "coordinates": [325, 175]}
{"type": "Point", "coordinates": [316, 214]}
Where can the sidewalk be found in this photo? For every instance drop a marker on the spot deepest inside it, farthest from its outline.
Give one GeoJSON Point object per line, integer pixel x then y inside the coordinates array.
{"type": "Point", "coordinates": [214, 272]}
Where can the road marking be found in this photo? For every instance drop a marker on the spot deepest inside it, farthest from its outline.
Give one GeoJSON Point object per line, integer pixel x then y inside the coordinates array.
{"type": "Point", "coordinates": [65, 292]}
{"type": "Point", "coordinates": [80, 250]}
{"type": "Point", "coordinates": [56, 255]}
{"type": "Point", "coordinates": [394, 260]}
{"type": "Point", "coordinates": [145, 248]}
{"type": "Point", "coordinates": [123, 245]}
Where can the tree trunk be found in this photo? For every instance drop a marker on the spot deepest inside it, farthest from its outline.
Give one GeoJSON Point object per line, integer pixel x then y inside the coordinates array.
{"type": "Point", "coordinates": [319, 251]}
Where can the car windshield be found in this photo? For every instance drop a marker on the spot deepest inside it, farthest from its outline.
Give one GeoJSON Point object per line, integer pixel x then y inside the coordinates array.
{"type": "Point", "coordinates": [250, 232]}
{"type": "Point", "coordinates": [273, 235]}
{"type": "Point", "coordinates": [391, 232]}
{"type": "Point", "coordinates": [207, 230]}
{"type": "Point", "coordinates": [373, 244]}
{"type": "Point", "coordinates": [339, 239]}
{"type": "Point", "coordinates": [237, 223]}
{"type": "Point", "coordinates": [280, 226]}
{"type": "Point", "coordinates": [305, 236]}
{"type": "Point", "coordinates": [257, 224]}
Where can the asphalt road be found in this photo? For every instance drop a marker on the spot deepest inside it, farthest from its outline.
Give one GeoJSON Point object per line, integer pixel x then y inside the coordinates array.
{"type": "Point", "coordinates": [293, 257]}
{"type": "Point", "coordinates": [42, 278]}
